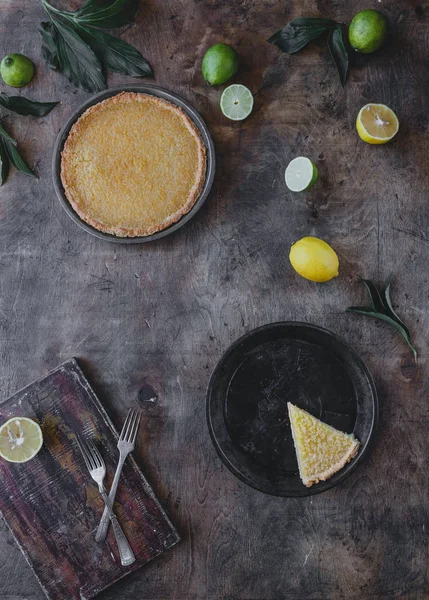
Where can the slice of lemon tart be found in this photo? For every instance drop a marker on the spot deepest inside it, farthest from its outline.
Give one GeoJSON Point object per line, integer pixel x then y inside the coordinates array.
{"type": "Point", "coordinates": [133, 164]}
{"type": "Point", "coordinates": [321, 450]}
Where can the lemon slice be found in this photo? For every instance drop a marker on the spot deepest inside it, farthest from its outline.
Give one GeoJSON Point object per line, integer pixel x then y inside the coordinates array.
{"type": "Point", "coordinates": [236, 102]}
{"type": "Point", "coordinates": [20, 439]}
{"type": "Point", "coordinates": [301, 173]}
{"type": "Point", "coordinates": [376, 124]}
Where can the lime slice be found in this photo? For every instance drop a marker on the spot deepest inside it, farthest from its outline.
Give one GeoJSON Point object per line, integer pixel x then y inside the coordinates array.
{"type": "Point", "coordinates": [20, 439]}
{"type": "Point", "coordinates": [236, 102]}
{"type": "Point", "coordinates": [301, 173]}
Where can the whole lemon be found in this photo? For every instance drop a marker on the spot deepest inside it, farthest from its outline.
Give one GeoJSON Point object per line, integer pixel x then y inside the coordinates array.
{"type": "Point", "coordinates": [220, 63]}
{"type": "Point", "coordinates": [314, 259]}
{"type": "Point", "coordinates": [368, 31]}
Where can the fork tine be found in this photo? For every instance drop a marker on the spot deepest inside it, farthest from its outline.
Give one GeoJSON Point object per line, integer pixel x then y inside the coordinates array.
{"type": "Point", "coordinates": [126, 425]}
{"type": "Point", "coordinates": [131, 427]}
{"type": "Point", "coordinates": [96, 454]}
{"type": "Point", "coordinates": [84, 452]}
{"type": "Point", "coordinates": [90, 455]}
{"type": "Point", "coordinates": [136, 426]}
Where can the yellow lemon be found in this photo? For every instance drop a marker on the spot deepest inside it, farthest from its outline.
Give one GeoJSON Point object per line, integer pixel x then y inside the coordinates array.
{"type": "Point", "coordinates": [314, 259]}
{"type": "Point", "coordinates": [376, 123]}
{"type": "Point", "coordinates": [20, 439]}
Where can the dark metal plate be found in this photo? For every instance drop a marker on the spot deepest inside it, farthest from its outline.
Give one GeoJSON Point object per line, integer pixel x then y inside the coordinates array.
{"type": "Point", "coordinates": [248, 394]}
{"type": "Point", "coordinates": [154, 91]}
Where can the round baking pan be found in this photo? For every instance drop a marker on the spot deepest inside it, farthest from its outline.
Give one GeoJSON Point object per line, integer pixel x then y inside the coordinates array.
{"type": "Point", "coordinates": [256, 378]}
{"type": "Point", "coordinates": [160, 93]}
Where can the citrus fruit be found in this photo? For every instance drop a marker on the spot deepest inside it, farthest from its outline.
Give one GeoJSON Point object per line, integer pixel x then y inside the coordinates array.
{"type": "Point", "coordinates": [20, 439]}
{"type": "Point", "coordinates": [16, 70]}
{"type": "Point", "coordinates": [236, 102]}
{"type": "Point", "coordinates": [368, 31]}
{"type": "Point", "coordinates": [301, 173]}
{"type": "Point", "coordinates": [314, 259]}
{"type": "Point", "coordinates": [220, 63]}
{"type": "Point", "coordinates": [376, 123]}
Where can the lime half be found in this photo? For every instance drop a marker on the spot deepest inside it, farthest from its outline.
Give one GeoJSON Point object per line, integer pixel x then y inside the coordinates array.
{"type": "Point", "coordinates": [301, 173]}
{"type": "Point", "coordinates": [20, 439]}
{"type": "Point", "coordinates": [236, 102]}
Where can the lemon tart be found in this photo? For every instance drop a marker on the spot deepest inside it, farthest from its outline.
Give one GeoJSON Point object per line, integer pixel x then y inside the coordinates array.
{"type": "Point", "coordinates": [133, 165]}
{"type": "Point", "coordinates": [321, 450]}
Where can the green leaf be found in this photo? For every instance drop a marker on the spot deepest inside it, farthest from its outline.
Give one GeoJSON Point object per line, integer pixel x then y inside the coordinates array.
{"type": "Point", "coordinates": [109, 15]}
{"type": "Point", "coordinates": [49, 45]}
{"type": "Point", "coordinates": [77, 61]}
{"type": "Point", "coordinates": [4, 134]}
{"type": "Point", "coordinates": [17, 160]}
{"type": "Point", "coordinates": [299, 32]}
{"type": "Point", "coordinates": [23, 106]}
{"type": "Point", "coordinates": [390, 306]}
{"type": "Point", "coordinates": [368, 312]}
{"type": "Point", "coordinates": [9, 145]}
{"type": "Point", "coordinates": [5, 163]}
{"type": "Point", "coordinates": [338, 52]}
{"type": "Point", "coordinates": [115, 54]}
{"type": "Point", "coordinates": [375, 296]}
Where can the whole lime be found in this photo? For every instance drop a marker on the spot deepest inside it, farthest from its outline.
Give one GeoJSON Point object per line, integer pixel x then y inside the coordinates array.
{"type": "Point", "coordinates": [16, 70]}
{"type": "Point", "coordinates": [368, 31]}
{"type": "Point", "coordinates": [220, 63]}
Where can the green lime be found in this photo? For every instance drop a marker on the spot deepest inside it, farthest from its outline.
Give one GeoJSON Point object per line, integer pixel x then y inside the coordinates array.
{"type": "Point", "coordinates": [368, 31]}
{"type": "Point", "coordinates": [220, 63]}
{"type": "Point", "coordinates": [16, 70]}
{"type": "Point", "coordinates": [236, 102]}
{"type": "Point", "coordinates": [301, 173]}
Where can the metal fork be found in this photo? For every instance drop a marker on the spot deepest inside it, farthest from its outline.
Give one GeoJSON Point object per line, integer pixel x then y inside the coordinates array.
{"type": "Point", "coordinates": [125, 446]}
{"type": "Point", "coordinates": [97, 469]}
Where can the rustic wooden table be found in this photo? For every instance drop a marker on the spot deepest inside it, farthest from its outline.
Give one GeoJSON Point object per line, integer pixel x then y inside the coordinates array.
{"type": "Point", "coordinates": [162, 314]}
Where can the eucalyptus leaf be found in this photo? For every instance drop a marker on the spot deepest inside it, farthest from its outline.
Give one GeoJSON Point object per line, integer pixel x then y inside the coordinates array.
{"type": "Point", "coordinates": [5, 163]}
{"type": "Point", "coordinates": [77, 61]}
{"type": "Point", "coordinates": [23, 106]}
{"type": "Point", "coordinates": [299, 32]}
{"type": "Point", "coordinates": [338, 52]}
{"type": "Point", "coordinates": [382, 309]}
{"type": "Point", "coordinates": [115, 54]}
{"type": "Point", "coordinates": [98, 13]}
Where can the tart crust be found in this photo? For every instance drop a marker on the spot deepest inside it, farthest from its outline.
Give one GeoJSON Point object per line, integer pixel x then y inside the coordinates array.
{"type": "Point", "coordinates": [79, 176]}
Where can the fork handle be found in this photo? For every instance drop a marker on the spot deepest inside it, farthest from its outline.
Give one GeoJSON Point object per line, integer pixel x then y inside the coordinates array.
{"type": "Point", "coordinates": [103, 527]}
{"type": "Point", "coordinates": [125, 550]}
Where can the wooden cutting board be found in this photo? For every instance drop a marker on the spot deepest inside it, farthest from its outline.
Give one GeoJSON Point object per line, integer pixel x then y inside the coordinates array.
{"type": "Point", "coordinates": [53, 508]}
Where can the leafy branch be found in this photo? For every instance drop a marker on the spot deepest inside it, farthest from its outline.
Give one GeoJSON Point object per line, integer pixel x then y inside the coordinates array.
{"type": "Point", "coordinates": [8, 146]}
{"type": "Point", "coordinates": [381, 308]}
{"type": "Point", "coordinates": [300, 32]}
{"type": "Point", "coordinates": [74, 43]}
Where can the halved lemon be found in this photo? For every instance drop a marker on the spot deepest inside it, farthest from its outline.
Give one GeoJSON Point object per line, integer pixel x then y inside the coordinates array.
{"type": "Point", "coordinates": [20, 439]}
{"type": "Point", "coordinates": [376, 124]}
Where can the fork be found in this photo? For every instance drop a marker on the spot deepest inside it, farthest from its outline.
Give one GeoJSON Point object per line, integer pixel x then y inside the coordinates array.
{"type": "Point", "coordinates": [97, 469]}
{"type": "Point", "coordinates": [125, 446]}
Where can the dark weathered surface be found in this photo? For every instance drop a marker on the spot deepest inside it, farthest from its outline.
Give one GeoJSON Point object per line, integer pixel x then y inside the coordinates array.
{"type": "Point", "coordinates": [163, 314]}
{"type": "Point", "coordinates": [53, 508]}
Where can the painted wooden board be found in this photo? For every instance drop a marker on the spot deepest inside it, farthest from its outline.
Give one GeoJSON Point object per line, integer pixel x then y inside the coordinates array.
{"type": "Point", "coordinates": [51, 504]}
